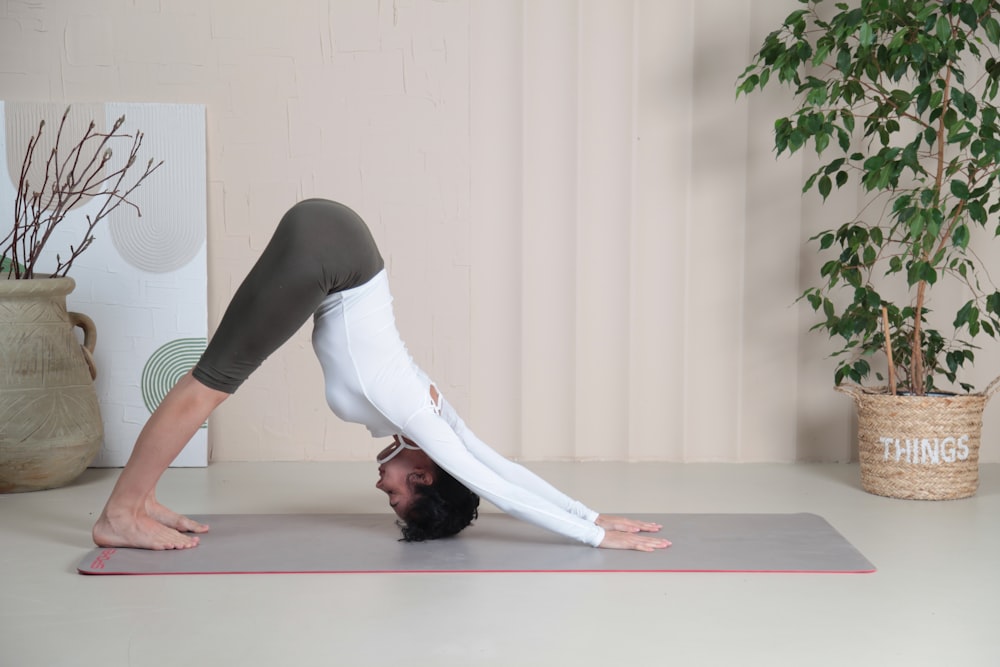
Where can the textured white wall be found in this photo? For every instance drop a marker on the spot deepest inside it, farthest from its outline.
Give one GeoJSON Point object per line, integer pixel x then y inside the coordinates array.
{"type": "Point", "coordinates": [591, 245]}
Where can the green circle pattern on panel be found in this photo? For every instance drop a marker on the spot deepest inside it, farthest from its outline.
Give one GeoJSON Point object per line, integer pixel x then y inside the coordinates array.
{"type": "Point", "coordinates": [168, 365]}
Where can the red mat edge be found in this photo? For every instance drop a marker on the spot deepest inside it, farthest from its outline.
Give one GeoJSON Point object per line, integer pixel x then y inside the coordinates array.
{"type": "Point", "coordinates": [110, 573]}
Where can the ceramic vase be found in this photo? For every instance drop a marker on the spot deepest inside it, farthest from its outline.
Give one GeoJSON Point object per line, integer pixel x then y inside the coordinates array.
{"type": "Point", "coordinates": [50, 421]}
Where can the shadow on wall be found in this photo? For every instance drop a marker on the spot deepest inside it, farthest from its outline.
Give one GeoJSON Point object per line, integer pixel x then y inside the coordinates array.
{"type": "Point", "coordinates": [815, 427]}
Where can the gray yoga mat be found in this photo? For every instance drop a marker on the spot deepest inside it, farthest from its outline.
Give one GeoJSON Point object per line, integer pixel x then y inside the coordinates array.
{"type": "Point", "coordinates": [367, 543]}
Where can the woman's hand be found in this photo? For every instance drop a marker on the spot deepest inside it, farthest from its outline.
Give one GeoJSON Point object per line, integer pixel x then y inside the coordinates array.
{"type": "Point", "coordinates": [623, 533]}
{"type": "Point", "coordinates": [624, 525]}
{"type": "Point", "coordinates": [616, 539]}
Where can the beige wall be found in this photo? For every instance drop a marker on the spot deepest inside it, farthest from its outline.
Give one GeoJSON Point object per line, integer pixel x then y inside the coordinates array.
{"type": "Point", "coordinates": [592, 247]}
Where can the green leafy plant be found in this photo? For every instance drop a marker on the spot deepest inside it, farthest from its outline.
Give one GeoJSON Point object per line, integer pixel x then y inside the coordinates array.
{"type": "Point", "coordinates": [70, 176]}
{"type": "Point", "coordinates": [898, 95]}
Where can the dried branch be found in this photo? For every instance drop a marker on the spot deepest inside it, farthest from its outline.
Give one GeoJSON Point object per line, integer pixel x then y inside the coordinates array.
{"type": "Point", "coordinates": [70, 176]}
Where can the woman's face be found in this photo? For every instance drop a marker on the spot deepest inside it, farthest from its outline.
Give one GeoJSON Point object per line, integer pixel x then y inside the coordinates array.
{"type": "Point", "coordinates": [398, 476]}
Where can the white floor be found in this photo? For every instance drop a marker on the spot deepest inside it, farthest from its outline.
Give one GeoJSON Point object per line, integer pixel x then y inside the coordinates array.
{"type": "Point", "coordinates": [934, 601]}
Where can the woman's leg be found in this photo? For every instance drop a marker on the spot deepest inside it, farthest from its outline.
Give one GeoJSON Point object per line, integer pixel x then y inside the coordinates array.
{"type": "Point", "coordinates": [319, 247]}
{"type": "Point", "coordinates": [132, 516]}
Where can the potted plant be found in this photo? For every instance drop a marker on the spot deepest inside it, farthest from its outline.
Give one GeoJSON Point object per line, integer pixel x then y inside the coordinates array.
{"type": "Point", "coordinates": [50, 422]}
{"type": "Point", "coordinates": [899, 96]}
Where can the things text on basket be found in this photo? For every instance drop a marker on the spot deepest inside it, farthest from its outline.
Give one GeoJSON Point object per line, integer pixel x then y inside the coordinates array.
{"type": "Point", "coordinates": [926, 451]}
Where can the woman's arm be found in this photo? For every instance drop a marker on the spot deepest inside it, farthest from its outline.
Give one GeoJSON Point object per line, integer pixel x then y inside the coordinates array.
{"type": "Point", "coordinates": [436, 437]}
{"type": "Point", "coordinates": [511, 471]}
{"type": "Point", "coordinates": [518, 474]}
{"type": "Point", "coordinates": [518, 491]}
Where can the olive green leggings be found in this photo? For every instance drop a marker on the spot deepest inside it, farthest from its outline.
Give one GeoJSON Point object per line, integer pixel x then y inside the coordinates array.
{"type": "Point", "coordinates": [320, 247]}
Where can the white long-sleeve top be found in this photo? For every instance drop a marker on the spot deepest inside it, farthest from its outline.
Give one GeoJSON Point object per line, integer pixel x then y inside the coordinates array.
{"type": "Point", "coordinates": [371, 379]}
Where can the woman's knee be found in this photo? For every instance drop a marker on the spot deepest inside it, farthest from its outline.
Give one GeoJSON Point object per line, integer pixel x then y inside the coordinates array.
{"type": "Point", "coordinates": [198, 392]}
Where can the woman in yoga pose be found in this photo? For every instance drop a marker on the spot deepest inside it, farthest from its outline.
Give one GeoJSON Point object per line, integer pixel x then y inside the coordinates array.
{"type": "Point", "coordinates": [323, 262]}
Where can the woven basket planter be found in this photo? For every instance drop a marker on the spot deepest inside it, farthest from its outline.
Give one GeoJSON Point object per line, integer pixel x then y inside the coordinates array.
{"type": "Point", "coordinates": [919, 447]}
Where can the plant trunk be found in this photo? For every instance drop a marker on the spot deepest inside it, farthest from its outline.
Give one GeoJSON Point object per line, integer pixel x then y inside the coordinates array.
{"type": "Point", "coordinates": [917, 363]}
{"type": "Point", "coordinates": [917, 351]}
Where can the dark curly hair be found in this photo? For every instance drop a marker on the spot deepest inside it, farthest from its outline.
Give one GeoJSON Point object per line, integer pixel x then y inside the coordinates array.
{"type": "Point", "coordinates": [441, 509]}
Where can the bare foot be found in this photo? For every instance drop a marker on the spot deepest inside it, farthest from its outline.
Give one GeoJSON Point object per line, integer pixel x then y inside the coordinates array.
{"type": "Point", "coordinates": [140, 532]}
{"type": "Point", "coordinates": [172, 519]}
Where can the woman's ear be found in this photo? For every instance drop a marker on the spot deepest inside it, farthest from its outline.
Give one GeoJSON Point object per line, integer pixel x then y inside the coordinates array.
{"type": "Point", "coordinates": [420, 476]}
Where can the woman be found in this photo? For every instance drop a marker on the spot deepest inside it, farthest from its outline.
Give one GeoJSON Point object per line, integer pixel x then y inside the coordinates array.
{"type": "Point", "coordinates": [323, 262]}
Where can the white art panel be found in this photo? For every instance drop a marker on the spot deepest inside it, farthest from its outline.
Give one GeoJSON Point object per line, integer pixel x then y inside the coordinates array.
{"type": "Point", "coordinates": [143, 280]}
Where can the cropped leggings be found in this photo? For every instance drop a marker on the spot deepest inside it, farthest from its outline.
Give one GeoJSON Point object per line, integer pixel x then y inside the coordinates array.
{"type": "Point", "coordinates": [319, 247]}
